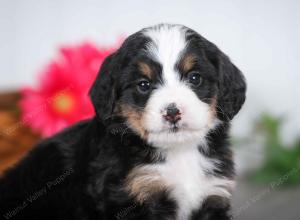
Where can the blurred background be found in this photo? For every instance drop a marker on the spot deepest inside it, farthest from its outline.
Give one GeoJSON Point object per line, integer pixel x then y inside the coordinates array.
{"type": "Point", "coordinates": [51, 51]}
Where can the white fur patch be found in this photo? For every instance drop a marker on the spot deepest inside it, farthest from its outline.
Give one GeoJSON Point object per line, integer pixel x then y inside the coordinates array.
{"type": "Point", "coordinates": [197, 117]}
{"type": "Point", "coordinates": [185, 172]}
{"type": "Point", "coordinates": [168, 42]}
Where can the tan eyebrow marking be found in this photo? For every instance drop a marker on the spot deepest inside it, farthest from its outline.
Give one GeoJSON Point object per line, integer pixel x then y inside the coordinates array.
{"type": "Point", "coordinates": [145, 69]}
{"type": "Point", "coordinates": [188, 63]}
{"type": "Point", "coordinates": [134, 118]}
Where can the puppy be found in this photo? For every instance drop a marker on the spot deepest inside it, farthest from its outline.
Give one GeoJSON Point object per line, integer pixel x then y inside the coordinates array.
{"type": "Point", "coordinates": [157, 147]}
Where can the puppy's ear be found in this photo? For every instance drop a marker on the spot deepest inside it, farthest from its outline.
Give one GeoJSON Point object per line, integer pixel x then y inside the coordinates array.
{"type": "Point", "coordinates": [103, 92]}
{"type": "Point", "coordinates": [232, 86]}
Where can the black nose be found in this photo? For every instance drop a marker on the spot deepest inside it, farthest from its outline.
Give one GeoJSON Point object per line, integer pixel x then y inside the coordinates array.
{"type": "Point", "coordinates": [173, 113]}
{"type": "Point", "coordinates": [172, 110]}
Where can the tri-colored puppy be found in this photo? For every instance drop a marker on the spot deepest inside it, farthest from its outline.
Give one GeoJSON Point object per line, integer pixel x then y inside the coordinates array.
{"type": "Point", "coordinates": [157, 147]}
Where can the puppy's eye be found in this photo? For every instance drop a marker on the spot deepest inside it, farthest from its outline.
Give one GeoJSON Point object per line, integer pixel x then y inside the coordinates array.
{"type": "Point", "coordinates": [195, 78]}
{"type": "Point", "coordinates": [143, 86]}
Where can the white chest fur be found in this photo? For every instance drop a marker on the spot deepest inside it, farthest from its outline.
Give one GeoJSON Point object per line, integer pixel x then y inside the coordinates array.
{"type": "Point", "coordinates": [185, 172]}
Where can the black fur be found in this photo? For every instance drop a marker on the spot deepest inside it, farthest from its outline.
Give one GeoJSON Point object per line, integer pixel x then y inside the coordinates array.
{"type": "Point", "coordinates": [80, 172]}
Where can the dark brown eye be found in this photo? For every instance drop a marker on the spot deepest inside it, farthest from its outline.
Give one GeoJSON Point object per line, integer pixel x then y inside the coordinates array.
{"type": "Point", "coordinates": [195, 78]}
{"type": "Point", "coordinates": [144, 86]}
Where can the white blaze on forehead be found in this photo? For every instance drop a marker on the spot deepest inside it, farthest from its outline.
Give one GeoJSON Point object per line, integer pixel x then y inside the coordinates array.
{"type": "Point", "coordinates": [166, 47]}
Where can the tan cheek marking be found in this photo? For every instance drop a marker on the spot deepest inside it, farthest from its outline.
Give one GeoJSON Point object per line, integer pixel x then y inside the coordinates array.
{"type": "Point", "coordinates": [213, 110]}
{"type": "Point", "coordinates": [188, 63]}
{"type": "Point", "coordinates": [143, 183]}
{"type": "Point", "coordinates": [145, 69]}
{"type": "Point", "coordinates": [213, 106]}
{"type": "Point", "coordinates": [134, 118]}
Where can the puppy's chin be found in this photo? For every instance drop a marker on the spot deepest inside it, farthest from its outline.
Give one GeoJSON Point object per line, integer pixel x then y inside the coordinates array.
{"type": "Point", "coordinates": [176, 139]}
{"type": "Point", "coordinates": [179, 137]}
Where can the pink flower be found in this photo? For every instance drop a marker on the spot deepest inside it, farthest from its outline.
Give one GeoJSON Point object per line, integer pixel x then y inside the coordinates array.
{"type": "Point", "coordinates": [61, 98]}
